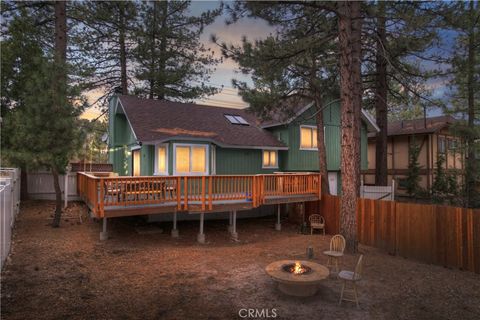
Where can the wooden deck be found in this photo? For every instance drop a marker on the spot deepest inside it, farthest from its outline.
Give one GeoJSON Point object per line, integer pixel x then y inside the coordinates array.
{"type": "Point", "coordinates": [109, 196]}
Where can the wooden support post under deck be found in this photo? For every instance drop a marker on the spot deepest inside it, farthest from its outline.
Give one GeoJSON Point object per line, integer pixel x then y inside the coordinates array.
{"type": "Point", "coordinates": [234, 225]}
{"type": "Point", "coordinates": [230, 221]}
{"type": "Point", "coordinates": [201, 235]}
{"type": "Point", "coordinates": [104, 233]}
{"type": "Point", "coordinates": [278, 225]}
{"type": "Point", "coordinates": [175, 230]}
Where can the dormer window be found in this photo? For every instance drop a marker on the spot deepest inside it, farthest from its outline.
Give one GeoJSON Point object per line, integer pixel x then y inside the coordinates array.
{"type": "Point", "coordinates": [236, 119]}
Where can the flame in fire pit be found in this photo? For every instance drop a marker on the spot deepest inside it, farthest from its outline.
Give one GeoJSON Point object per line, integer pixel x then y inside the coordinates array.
{"type": "Point", "coordinates": [297, 268]}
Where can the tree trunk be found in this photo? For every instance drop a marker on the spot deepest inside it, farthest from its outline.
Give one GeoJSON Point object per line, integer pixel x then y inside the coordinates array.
{"type": "Point", "coordinates": [60, 32]}
{"type": "Point", "coordinates": [58, 199]}
{"type": "Point", "coordinates": [59, 86]}
{"type": "Point", "coordinates": [349, 24]}
{"type": "Point", "coordinates": [322, 154]}
{"type": "Point", "coordinates": [162, 59]}
{"type": "Point", "coordinates": [471, 161]}
{"type": "Point", "coordinates": [152, 52]}
{"type": "Point", "coordinates": [123, 50]}
{"type": "Point", "coordinates": [381, 169]}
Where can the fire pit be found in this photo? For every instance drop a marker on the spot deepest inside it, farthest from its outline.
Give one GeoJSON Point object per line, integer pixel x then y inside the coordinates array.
{"type": "Point", "coordinates": [297, 278]}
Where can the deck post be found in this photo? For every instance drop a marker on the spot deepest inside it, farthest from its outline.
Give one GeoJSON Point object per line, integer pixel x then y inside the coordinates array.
{"type": "Point", "coordinates": [278, 225]}
{"type": "Point", "coordinates": [201, 235]}
{"type": "Point", "coordinates": [234, 225]}
{"type": "Point", "coordinates": [175, 230]}
{"type": "Point", "coordinates": [230, 214]}
{"type": "Point", "coordinates": [104, 233]}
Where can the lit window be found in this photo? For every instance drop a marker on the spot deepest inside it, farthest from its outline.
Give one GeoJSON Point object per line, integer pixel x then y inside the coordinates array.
{"type": "Point", "coordinates": [199, 156]}
{"type": "Point", "coordinates": [308, 137]}
{"type": "Point", "coordinates": [136, 162]}
{"type": "Point", "coordinates": [234, 119]}
{"type": "Point", "coordinates": [161, 160]}
{"type": "Point", "coordinates": [191, 159]}
{"type": "Point", "coordinates": [270, 159]}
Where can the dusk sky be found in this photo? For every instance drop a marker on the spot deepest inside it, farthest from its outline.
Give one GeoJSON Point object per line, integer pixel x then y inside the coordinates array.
{"type": "Point", "coordinates": [226, 71]}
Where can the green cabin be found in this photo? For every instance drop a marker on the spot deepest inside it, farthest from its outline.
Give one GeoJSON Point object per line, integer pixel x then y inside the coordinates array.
{"type": "Point", "coordinates": [153, 137]}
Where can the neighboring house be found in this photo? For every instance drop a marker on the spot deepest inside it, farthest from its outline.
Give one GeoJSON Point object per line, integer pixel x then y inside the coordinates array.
{"type": "Point", "coordinates": [153, 137]}
{"type": "Point", "coordinates": [434, 136]}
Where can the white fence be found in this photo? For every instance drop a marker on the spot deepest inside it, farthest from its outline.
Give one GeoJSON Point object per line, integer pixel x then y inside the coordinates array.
{"type": "Point", "coordinates": [9, 208]}
{"type": "Point", "coordinates": [40, 186]}
{"type": "Point", "coordinates": [378, 192]}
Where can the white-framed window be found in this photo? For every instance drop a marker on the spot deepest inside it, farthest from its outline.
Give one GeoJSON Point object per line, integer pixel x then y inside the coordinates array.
{"type": "Point", "coordinates": [190, 159]}
{"type": "Point", "coordinates": [161, 160]}
{"type": "Point", "coordinates": [136, 161]}
{"type": "Point", "coordinates": [270, 159]}
{"type": "Point", "coordinates": [308, 138]}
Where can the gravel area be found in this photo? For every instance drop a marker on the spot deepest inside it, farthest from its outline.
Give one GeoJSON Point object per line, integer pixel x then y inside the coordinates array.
{"type": "Point", "coordinates": [67, 273]}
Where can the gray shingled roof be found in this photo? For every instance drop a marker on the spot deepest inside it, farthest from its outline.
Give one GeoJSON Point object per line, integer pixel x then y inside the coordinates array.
{"type": "Point", "coordinates": [417, 126]}
{"type": "Point", "coordinates": [158, 120]}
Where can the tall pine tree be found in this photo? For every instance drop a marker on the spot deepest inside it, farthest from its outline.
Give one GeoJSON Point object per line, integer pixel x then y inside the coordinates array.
{"type": "Point", "coordinates": [103, 37]}
{"type": "Point", "coordinates": [397, 38]}
{"type": "Point", "coordinates": [292, 68]}
{"type": "Point", "coordinates": [171, 62]}
{"type": "Point", "coordinates": [464, 19]}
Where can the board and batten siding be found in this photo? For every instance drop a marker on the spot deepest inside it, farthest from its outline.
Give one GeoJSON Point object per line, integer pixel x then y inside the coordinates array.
{"type": "Point", "coordinates": [120, 141]}
{"type": "Point", "coordinates": [240, 161]}
{"type": "Point", "coordinates": [307, 160]}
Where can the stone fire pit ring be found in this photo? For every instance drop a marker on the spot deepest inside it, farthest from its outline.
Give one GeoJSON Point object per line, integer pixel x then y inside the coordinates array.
{"type": "Point", "coordinates": [300, 285]}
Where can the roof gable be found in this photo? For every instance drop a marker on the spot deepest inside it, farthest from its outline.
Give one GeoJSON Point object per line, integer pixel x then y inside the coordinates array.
{"type": "Point", "coordinates": [299, 110]}
{"type": "Point", "coordinates": [154, 121]}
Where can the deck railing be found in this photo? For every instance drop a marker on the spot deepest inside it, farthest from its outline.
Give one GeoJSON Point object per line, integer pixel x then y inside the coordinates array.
{"type": "Point", "coordinates": [101, 191]}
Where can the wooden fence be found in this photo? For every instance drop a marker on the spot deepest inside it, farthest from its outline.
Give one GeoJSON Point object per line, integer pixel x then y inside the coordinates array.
{"type": "Point", "coordinates": [447, 236]}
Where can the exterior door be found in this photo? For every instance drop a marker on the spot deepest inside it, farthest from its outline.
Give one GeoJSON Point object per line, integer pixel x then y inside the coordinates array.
{"type": "Point", "coordinates": [333, 183]}
{"type": "Point", "coordinates": [136, 162]}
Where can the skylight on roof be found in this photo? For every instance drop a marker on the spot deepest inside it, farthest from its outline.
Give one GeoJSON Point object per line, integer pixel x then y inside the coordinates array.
{"type": "Point", "coordinates": [235, 119]}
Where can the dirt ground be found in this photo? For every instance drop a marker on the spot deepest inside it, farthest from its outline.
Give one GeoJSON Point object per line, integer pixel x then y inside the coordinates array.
{"type": "Point", "coordinates": [67, 273]}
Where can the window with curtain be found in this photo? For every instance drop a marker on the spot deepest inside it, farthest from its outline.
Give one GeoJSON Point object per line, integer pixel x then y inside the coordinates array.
{"type": "Point", "coordinates": [191, 159]}
{"type": "Point", "coordinates": [308, 138]}
{"type": "Point", "coordinates": [270, 159]}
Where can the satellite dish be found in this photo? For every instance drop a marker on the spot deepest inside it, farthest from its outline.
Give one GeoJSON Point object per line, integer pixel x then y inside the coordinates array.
{"type": "Point", "coordinates": [105, 137]}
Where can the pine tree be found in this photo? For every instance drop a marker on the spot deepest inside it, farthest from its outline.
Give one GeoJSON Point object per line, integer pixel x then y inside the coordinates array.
{"type": "Point", "coordinates": [103, 35]}
{"type": "Point", "coordinates": [413, 178]}
{"type": "Point", "coordinates": [398, 35]}
{"type": "Point", "coordinates": [41, 112]}
{"type": "Point", "coordinates": [464, 19]}
{"type": "Point", "coordinates": [440, 186]}
{"type": "Point", "coordinates": [294, 67]}
{"type": "Point", "coordinates": [171, 61]}
{"type": "Point", "coordinates": [350, 30]}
